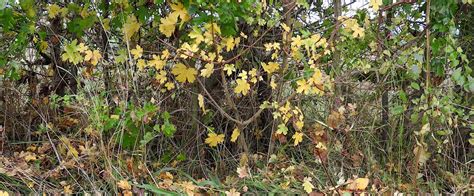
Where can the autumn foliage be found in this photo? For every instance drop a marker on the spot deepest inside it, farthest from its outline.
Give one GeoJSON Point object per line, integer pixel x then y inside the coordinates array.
{"type": "Point", "coordinates": [235, 96]}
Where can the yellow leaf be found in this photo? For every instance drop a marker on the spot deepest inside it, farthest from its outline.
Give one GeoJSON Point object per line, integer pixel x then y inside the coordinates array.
{"type": "Point", "coordinates": [298, 137]}
{"type": "Point", "coordinates": [165, 54]}
{"type": "Point", "coordinates": [316, 78]}
{"type": "Point", "coordinates": [168, 25]}
{"type": "Point", "coordinates": [296, 41]}
{"type": "Point", "coordinates": [242, 87]}
{"type": "Point", "coordinates": [124, 185]}
{"type": "Point", "coordinates": [270, 67]}
{"type": "Point", "coordinates": [141, 64]}
{"type": "Point", "coordinates": [93, 56]}
{"type": "Point", "coordinates": [196, 34]}
{"type": "Point", "coordinates": [137, 52]}
{"type": "Point", "coordinates": [161, 77]}
{"type": "Point", "coordinates": [208, 70]}
{"type": "Point", "coordinates": [273, 84]}
{"type": "Point", "coordinates": [53, 10]}
{"type": "Point", "coordinates": [82, 47]}
{"type": "Point", "coordinates": [184, 73]}
{"type": "Point", "coordinates": [179, 11]}
{"type": "Point", "coordinates": [358, 32]}
{"type": "Point", "coordinates": [376, 4]}
{"type": "Point", "coordinates": [229, 69]}
{"type": "Point", "coordinates": [229, 43]}
{"type": "Point", "coordinates": [235, 135]}
{"type": "Point", "coordinates": [130, 27]}
{"type": "Point", "coordinates": [285, 27]}
{"type": "Point", "coordinates": [213, 139]}
{"type": "Point", "coordinates": [3, 193]}
{"type": "Point", "coordinates": [30, 157]}
{"type": "Point", "coordinates": [67, 189]}
{"type": "Point", "coordinates": [303, 86]}
{"type": "Point", "coordinates": [169, 85]}
{"type": "Point", "coordinates": [71, 151]}
{"type": "Point", "coordinates": [307, 186]}
{"type": "Point", "coordinates": [212, 27]}
{"type": "Point", "coordinates": [201, 103]}
{"type": "Point", "coordinates": [157, 62]}
{"type": "Point", "coordinates": [358, 184]}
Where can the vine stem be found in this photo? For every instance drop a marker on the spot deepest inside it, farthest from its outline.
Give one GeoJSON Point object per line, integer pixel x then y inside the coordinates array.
{"type": "Point", "coordinates": [427, 86]}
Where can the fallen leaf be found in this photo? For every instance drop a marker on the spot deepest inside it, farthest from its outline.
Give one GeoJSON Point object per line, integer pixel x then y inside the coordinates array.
{"type": "Point", "coordinates": [358, 184]}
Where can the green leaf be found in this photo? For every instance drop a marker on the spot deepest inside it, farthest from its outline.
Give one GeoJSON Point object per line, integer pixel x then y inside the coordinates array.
{"type": "Point", "coordinates": [282, 129]}
{"type": "Point", "coordinates": [168, 129]}
{"type": "Point", "coordinates": [397, 110]}
{"type": "Point", "coordinates": [415, 86]}
{"type": "Point", "coordinates": [79, 25]}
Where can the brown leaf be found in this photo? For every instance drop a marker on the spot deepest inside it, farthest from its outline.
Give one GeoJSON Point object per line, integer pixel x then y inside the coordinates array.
{"type": "Point", "coordinates": [335, 119]}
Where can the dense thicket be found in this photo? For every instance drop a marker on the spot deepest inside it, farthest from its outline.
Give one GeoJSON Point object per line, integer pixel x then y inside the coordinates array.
{"type": "Point", "coordinates": [227, 96]}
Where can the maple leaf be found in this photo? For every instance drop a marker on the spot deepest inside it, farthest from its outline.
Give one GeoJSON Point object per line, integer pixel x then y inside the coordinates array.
{"type": "Point", "coordinates": [303, 86]}
{"type": "Point", "coordinates": [157, 62]}
{"type": "Point", "coordinates": [179, 11]}
{"type": "Point", "coordinates": [232, 192]}
{"type": "Point", "coordinates": [282, 129]}
{"type": "Point", "coordinates": [93, 56]}
{"type": "Point", "coordinates": [298, 137]}
{"type": "Point", "coordinates": [165, 54]}
{"type": "Point", "coordinates": [53, 10]}
{"type": "Point", "coordinates": [358, 32]}
{"type": "Point", "coordinates": [230, 43]}
{"type": "Point", "coordinates": [141, 64]}
{"type": "Point", "coordinates": [270, 67]}
{"type": "Point", "coordinates": [184, 73]}
{"type": "Point", "coordinates": [208, 70]}
{"type": "Point", "coordinates": [376, 4]}
{"type": "Point", "coordinates": [296, 41]}
{"type": "Point", "coordinates": [196, 34]}
{"type": "Point", "coordinates": [235, 135]}
{"type": "Point", "coordinates": [307, 186]}
{"type": "Point", "coordinates": [242, 87]}
{"type": "Point", "coordinates": [243, 75]}
{"type": "Point", "coordinates": [71, 53]}
{"type": "Point", "coordinates": [229, 69]}
{"type": "Point", "coordinates": [188, 50]}
{"type": "Point", "coordinates": [358, 184]}
{"type": "Point", "coordinates": [243, 172]}
{"type": "Point", "coordinates": [137, 52]}
{"type": "Point", "coordinates": [124, 185]}
{"type": "Point", "coordinates": [130, 27]}
{"type": "Point", "coordinates": [169, 86]}
{"type": "Point", "coordinates": [161, 77]}
{"type": "Point", "coordinates": [121, 57]}
{"type": "Point", "coordinates": [168, 25]}
{"type": "Point", "coordinates": [213, 139]}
